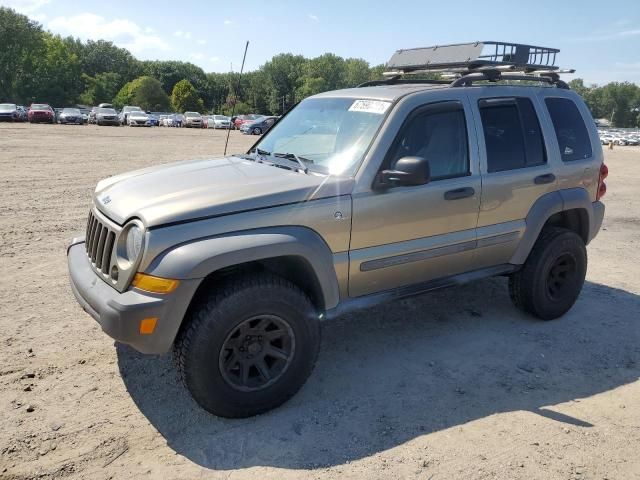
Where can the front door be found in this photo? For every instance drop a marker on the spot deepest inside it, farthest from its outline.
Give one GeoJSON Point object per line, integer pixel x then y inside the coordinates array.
{"type": "Point", "coordinates": [410, 234]}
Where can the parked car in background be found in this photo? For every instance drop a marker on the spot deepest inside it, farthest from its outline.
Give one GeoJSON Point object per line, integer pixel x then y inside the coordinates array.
{"type": "Point", "coordinates": [619, 136]}
{"type": "Point", "coordinates": [242, 119]}
{"type": "Point", "coordinates": [192, 120]}
{"type": "Point", "coordinates": [258, 126]}
{"type": "Point", "coordinates": [22, 113]}
{"type": "Point", "coordinates": [84, 112]}
{"type": "Point", "coordinates": [138, 118]}
{"type": "Point", "coordinates": [106, 116]}
{"type": "Point", "coordinates": [70, 116]}
{"type": "Point", "coordinates": [177, 120]}
{"type": "Point", "coordinates": [153, 119]}
{"type": "Point", "coordinates": [219, 121]}
{"type": "Point", "coordinates": [126, 110]}
{"type": "Point", "coordinates": [41, 113]}
{"type": "Point", "coordinates": [9, 112]}
{"type": "Point", "coordinates": [91, 118]}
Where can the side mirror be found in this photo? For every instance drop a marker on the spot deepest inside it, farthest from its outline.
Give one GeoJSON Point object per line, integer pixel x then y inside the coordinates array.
{"type": "Point", "coordinates": [409, 171]}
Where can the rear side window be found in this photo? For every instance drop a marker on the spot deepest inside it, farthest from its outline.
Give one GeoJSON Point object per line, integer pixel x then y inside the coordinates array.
{"type": "Point", "coordinates": [573, 138]}
{"type": "Point", "coordinates": [512, 134]}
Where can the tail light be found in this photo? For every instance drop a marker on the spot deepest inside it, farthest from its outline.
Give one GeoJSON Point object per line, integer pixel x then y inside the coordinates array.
{"type": "Point", "coordinates": [602, 187]}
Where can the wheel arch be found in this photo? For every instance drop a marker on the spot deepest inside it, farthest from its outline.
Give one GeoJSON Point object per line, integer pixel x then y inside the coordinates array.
{"type": "Point", "coordinates": [571, 209]}
{"type": "Point", "coordinates": [296, 253]}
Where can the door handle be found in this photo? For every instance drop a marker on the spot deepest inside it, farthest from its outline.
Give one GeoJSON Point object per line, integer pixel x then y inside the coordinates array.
{"type": "Point", "coordinates": [458, 193]}
{"type": "Point", "coordinates": [546, 178]}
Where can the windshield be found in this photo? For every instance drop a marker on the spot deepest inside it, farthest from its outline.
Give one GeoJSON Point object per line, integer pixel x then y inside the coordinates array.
{"type": "Point", "coordinates": [191, 114]}
{"type": "Point", "coordinates": [72, 111]}
{"type": "Point", "coordinates": [7, 106]}
{"type": "Point", "coordinates": [106, 111]}
{"type": "Point", "coordinates": [38, 106]}
{"type": "Point", "coordinates": [331, 134]}
{"type": "Point", "coordinates": [131, 109]}
{"type": "Point", "coordinates": [220, 117]}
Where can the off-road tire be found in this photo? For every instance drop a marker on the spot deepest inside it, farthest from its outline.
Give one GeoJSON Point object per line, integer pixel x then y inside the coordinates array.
{"type": "Point", "coordinates": [530, 288]}
{"type": "Point", "coordinates": [215, 316]}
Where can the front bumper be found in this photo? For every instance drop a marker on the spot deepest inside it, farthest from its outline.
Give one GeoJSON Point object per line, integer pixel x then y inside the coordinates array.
{"type": "Point", "coordinates": [107, 121]}
{"type": "Point", "coordinates": [38, 119]}
{"type": "Point", "coordinates": [119, 314]}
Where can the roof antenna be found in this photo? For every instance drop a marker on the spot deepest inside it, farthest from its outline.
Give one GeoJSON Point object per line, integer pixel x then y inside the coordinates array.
{"type": "Point", "coordinates": [235, 96]}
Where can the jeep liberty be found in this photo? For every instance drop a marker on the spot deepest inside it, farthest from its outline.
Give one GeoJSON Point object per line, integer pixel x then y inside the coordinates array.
{"type": "Point", "coordinates": [354, 197]}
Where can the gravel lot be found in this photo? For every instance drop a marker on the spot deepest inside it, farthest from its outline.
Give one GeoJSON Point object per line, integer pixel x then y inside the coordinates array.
{"type": "Point", "coordinates": [454, 384]}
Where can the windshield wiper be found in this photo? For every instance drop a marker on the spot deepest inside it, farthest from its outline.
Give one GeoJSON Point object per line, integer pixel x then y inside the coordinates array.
{"type": "Point", "coordinates": [287, 156]}
{"type": "Point", "coordinates": [298, 159]}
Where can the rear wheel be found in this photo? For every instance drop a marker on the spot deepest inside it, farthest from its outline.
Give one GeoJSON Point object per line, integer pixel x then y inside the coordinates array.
{"type": "Point", "coordinates": [248, 347]}
{"type": "Point", "coordinates": [551, 279]}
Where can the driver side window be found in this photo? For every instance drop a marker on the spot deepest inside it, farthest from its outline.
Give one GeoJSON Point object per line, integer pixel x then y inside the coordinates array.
{"type": "Point", "coordinates": [437, 133]}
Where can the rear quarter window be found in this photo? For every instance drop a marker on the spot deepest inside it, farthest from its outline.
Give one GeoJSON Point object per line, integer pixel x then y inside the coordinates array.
{"type": "Point", "coordinates": [571, 132]}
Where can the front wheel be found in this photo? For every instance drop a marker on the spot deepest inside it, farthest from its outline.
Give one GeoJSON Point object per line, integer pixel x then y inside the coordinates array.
{"type": "Point", "coordinates": [248, 347]}
{"type": "Point", "coordinates": [257, 131]}
{"type": "Point", "coordinates": [551, 279]}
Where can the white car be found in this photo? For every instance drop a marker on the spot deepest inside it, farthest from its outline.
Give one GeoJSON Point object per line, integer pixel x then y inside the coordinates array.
{"type": "Point", "coordinates": [219, 121]}
{"type": "Point", "coordinates": [138, 118]}
{"type": "Point", "coordinates": [126, 111]}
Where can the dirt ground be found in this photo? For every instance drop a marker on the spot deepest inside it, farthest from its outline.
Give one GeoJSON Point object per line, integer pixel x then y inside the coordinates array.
{"type": "Point", "coordinates": [453, 384]}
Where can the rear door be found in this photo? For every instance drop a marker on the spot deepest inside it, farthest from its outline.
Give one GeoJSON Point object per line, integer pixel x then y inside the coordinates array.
{"type": "Point", "coordinates": [515, 167]}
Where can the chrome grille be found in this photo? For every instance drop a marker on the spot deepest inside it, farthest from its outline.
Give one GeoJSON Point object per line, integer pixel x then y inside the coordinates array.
{"type": "Point", "coordinates": [99, 243]}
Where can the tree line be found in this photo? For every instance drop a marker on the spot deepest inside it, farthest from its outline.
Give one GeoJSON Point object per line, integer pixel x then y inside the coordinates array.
{"type": "Point", "coordinates": [39, 66]}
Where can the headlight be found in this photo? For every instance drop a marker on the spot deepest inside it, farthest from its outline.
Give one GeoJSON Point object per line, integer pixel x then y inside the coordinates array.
{"type": "Point", "coordinates": [134, 242]}
{"type": "Point", "coordinates": [130, 244]}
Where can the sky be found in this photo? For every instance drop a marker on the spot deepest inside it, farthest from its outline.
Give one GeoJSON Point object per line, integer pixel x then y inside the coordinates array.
{"type": "Point", "coordinates": [601, 40]}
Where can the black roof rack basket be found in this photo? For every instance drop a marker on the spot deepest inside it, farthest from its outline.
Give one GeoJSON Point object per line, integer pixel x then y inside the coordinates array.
{"type": "Point", "coordinates": [469, 57]}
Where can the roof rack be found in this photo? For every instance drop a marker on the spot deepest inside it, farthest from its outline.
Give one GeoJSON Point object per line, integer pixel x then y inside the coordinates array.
{"type": "Point", "coordinates": [477, 61]}
{"type": "Point", "coordinates": [470, 56]}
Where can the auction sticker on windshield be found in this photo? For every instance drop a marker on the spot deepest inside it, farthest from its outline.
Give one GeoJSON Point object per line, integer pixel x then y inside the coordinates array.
{"type": "Point", "coordinates": [370, 106]}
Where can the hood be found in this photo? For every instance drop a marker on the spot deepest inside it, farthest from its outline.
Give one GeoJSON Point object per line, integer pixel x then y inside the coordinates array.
{"type": "Point", "coordinates": [204, 188]}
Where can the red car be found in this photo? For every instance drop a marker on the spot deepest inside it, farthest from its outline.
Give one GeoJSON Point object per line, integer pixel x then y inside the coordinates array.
{"type": "Point", "coordinates": [241, 119]}
{"type": "Point", "coordinates": [41, 113]}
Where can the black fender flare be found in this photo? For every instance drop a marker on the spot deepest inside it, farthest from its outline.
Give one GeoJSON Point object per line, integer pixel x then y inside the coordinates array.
{"type": "Point", "coordinates": [201, 257]}
{"type": "Point", "coordinates": [551, 203]}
